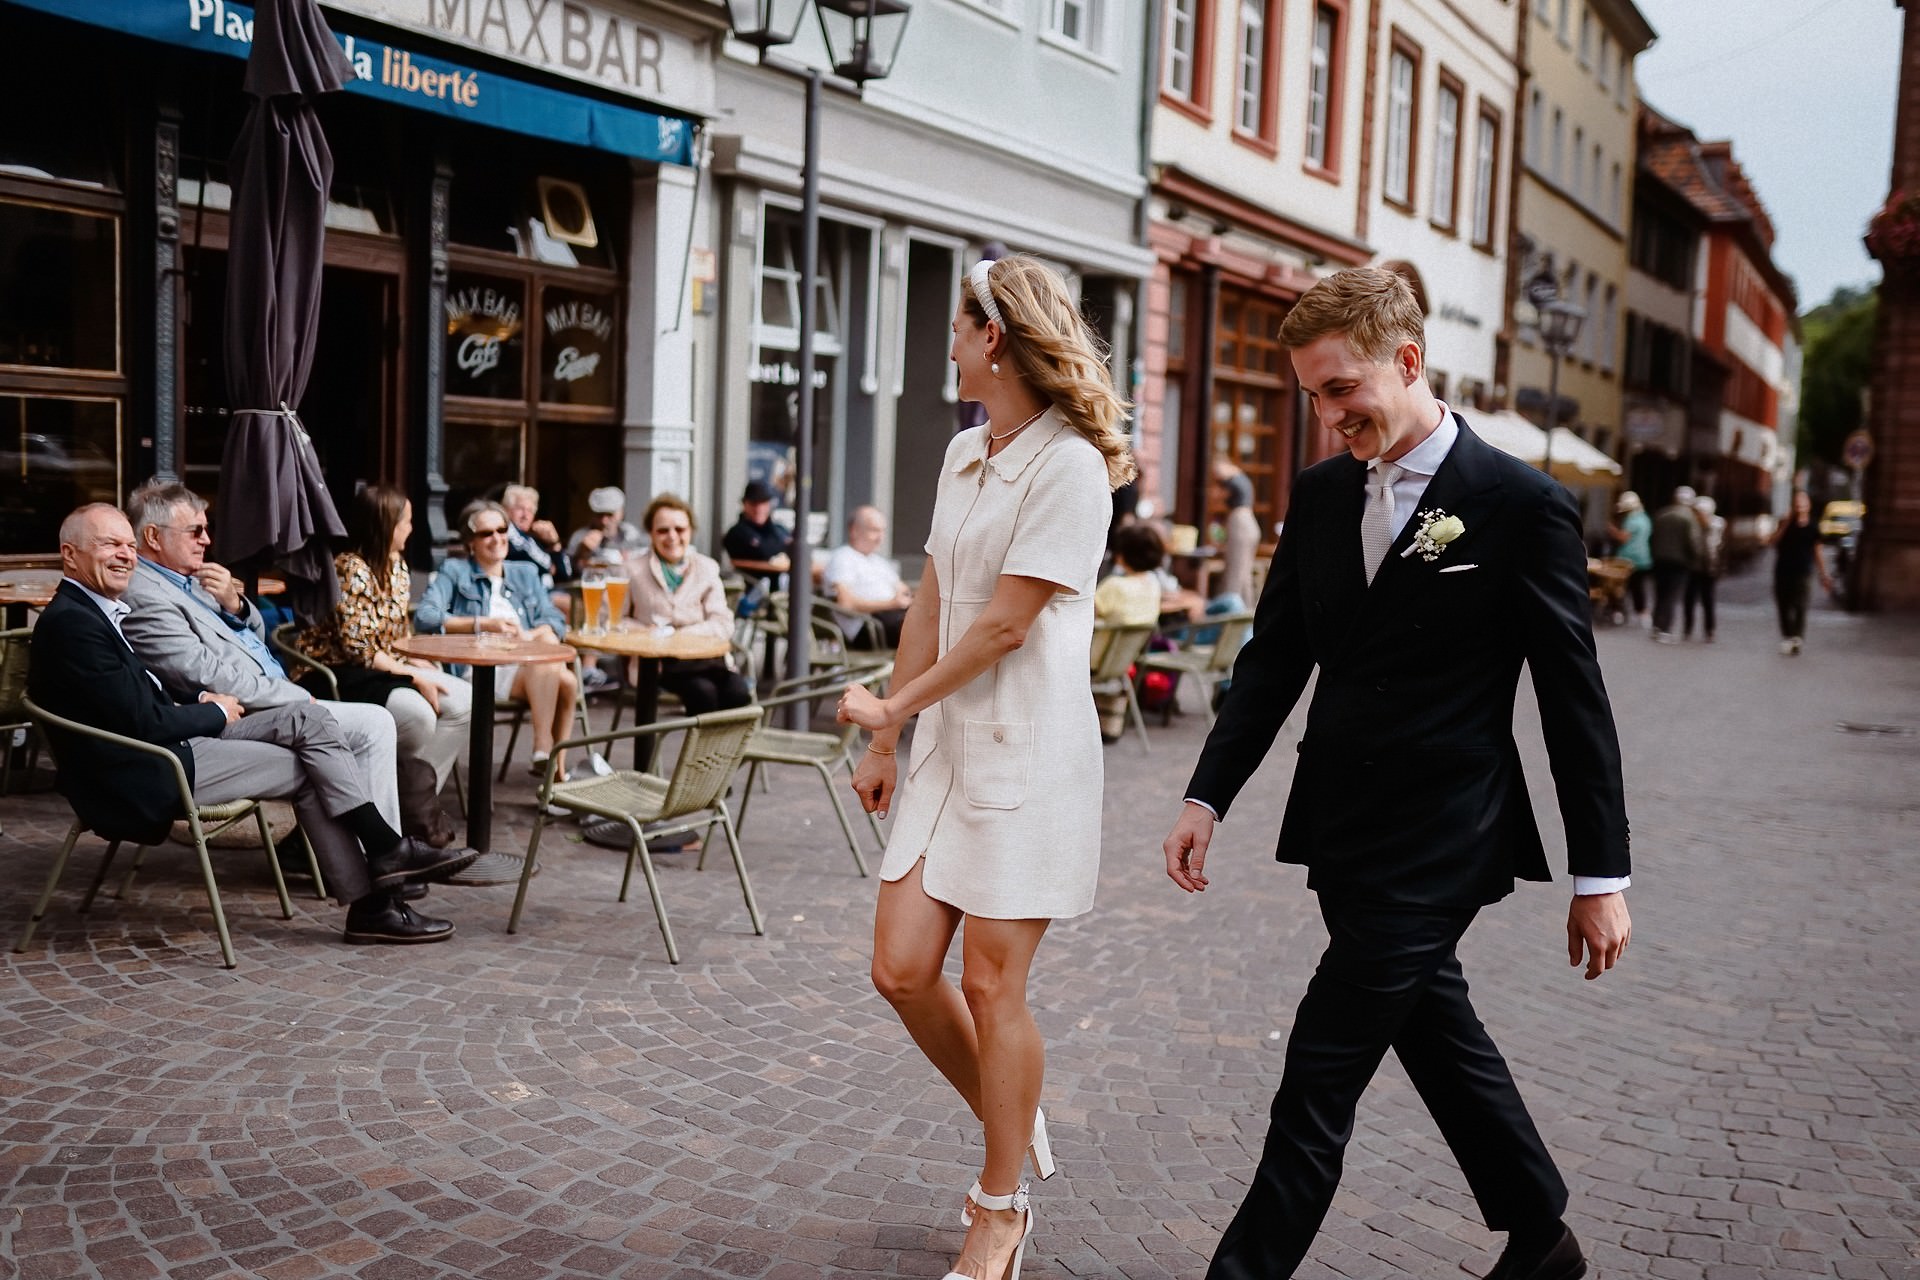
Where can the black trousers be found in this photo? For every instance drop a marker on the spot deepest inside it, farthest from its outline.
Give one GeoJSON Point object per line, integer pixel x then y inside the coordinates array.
{"type": "Point", "coordinates": [1791, 594]}
{"type": "Point", "coordinates": [1669, 585]}
{"type": "Point", "coordinates": [1388, 979]}
{"type": "Point", "coordinates": [704, 684]}
{"type": "Point", "coordinates": [1700, 588]}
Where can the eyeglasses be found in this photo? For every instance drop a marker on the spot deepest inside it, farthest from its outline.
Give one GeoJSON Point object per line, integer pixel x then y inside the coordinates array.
{"type": "Point", "coordinates": [191, 530]}
{"type": "Point", "coordinates": [499, 532]}
{"type": "Point", "coordinates": [668, 530]}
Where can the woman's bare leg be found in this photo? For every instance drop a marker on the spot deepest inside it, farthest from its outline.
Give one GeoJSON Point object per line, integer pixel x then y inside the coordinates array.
{"type": "Point", "coordinates": [911, 936]}
{"type": "Point", "coordinates": [997, 956]}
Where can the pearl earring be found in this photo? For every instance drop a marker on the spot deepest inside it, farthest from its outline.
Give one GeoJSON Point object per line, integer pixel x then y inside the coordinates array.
{"type": "Point", "coordinates": [995, 366]}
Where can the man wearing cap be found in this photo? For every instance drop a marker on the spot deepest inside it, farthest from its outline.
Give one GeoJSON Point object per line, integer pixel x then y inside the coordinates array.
{"type": "Point", "coordinates": [1678, 550]}
{"type": "Point", "coordinates": [607, 540]}
{"type": "Point", "coordinates": [756, 545]}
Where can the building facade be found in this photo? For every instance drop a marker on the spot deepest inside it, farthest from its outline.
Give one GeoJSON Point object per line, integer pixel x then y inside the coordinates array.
{"type": "Point", "coordinates": [1443, 79]}
{"type": "Point", "coordinates": [511, 202]}
{"type": "Point", "coordinates": [1010, 125]}
{"type": "Point", "coordinates": [1574, 191]}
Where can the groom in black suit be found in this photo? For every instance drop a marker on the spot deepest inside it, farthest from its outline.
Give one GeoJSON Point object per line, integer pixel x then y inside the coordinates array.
{"type": "Point", "coordinates": [1417, 572]}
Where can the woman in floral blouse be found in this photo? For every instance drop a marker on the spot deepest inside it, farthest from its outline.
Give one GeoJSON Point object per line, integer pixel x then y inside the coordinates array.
{"type": "Point", "coordinates": [431, 710]}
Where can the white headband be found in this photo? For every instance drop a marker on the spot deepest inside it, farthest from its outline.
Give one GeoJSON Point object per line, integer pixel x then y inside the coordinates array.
{"type": "Point", "coordinates": [983, 293]}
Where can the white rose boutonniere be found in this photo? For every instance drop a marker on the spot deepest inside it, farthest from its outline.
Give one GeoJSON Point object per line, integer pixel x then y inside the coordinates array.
{"type": "Point", "coordinates": [1436, 530]}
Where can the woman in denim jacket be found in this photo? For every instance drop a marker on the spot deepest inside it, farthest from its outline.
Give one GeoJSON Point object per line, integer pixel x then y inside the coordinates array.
{"type": "Point", "coordinates": [486, 592]}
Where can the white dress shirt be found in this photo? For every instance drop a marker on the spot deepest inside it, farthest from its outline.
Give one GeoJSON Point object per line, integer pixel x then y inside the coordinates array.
{"type": "Point", "coordinates": [1417, 469]}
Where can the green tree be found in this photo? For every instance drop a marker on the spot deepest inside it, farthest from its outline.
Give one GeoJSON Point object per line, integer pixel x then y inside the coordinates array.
{"type": "Point", "coordinates": [1835, 373]}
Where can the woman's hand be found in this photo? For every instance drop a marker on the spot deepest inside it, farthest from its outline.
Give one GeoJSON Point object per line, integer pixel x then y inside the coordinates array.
{"type": "Point", "coordinates": [873, 781]}
{"type": "Point", "coordinates": [429, 688]}
{"type": "Point", "coordinates": [859, 706]}
{"type": "Point", "coordinates": [503, 626]}
{"type": "Point", "coordinates": [543, 632]}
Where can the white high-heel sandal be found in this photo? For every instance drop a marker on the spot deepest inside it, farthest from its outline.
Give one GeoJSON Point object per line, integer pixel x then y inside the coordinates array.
{"type": "Point", "coordinates": [1017, 1200]}
{"type": "Point", "coordinates": [1041, 1152]}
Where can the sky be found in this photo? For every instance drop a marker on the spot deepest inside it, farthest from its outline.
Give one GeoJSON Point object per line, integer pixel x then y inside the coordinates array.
{"type": "Point", "coordinates": [1805, 90]}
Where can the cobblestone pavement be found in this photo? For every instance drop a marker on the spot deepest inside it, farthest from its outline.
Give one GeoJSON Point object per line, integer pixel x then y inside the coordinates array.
{"type": "Point", "coordinates": [1739, 1101]}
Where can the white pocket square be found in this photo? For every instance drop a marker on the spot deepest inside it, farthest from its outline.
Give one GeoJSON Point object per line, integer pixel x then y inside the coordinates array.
{"type": "Point", "coordinates": [1459, 568]}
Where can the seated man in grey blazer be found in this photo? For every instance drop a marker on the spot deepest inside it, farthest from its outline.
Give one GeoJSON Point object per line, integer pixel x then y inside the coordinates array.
{"type": "Point", "coordinates": [192, 627]}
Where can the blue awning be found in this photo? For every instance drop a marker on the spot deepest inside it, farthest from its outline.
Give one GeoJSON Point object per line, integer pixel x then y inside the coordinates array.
{"type": "Point", "coordinates": [395, 73]}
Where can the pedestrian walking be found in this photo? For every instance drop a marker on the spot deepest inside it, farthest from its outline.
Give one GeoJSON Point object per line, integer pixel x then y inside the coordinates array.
{"type": "Point", "coordinates": [1630, 533]}
{"type": "Point", "coordinates": [1676, 548]}
{"type": "Point", "coordinates": [1418, 572]}
{"type": "Point", "coordinates": [1796, 557]}
{"type": "Point", "coordinates": [1703, 583]}
{"type": "Point", "coordinates": [999, 823]}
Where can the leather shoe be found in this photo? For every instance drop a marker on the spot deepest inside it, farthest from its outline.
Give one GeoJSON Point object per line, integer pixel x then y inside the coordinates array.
{"type": "Point", "coordinates": [384, 918]}
{"type": "Point", "coordinates": [413, 891]}
{"type": "Point", "coordinates": [415, 859]}
{"type": "Point", "coordinates": [1559, 1258]}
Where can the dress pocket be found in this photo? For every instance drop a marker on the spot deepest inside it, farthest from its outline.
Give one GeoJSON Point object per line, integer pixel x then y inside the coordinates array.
{"type": "Point", "coordinates": [998, 756]}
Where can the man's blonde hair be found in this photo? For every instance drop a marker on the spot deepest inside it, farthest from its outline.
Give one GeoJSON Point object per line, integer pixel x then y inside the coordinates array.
{"type": "Point", "coordinates": [1373, 307]}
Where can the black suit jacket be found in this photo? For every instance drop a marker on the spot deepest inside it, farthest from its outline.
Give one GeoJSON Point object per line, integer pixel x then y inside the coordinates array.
{"type": "Point", "coordinates": [81, 669]}
{"type": "Point", "coordinates": [1409, 787]}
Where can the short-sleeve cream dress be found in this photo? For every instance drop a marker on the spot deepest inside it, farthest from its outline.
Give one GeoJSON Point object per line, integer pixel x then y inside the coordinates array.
{"type": "Point", "coordinates": [1002, 793]}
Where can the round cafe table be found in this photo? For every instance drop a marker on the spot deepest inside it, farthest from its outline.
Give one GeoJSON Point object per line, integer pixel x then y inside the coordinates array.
{"type": "Point", "coordinates": [652, 649]}
{"type": "Point", "coordinates": [483, 653]}
{"type": "Point", "coordinates": [23, 589]}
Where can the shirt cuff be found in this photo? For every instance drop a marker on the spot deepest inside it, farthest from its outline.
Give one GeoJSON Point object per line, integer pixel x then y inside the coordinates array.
{"type": "Point", "coordinates": [1588, 886]}
{"type": "Point", "coordinates": [1215, 813]}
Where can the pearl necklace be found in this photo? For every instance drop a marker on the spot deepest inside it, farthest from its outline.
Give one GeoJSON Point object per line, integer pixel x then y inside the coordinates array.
{"type": "Point", "coordinates": [1005, 435]}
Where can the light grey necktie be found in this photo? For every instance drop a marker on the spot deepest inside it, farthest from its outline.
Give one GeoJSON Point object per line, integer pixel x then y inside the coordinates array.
{"type": "Point", "coordinates": [1376, 522]}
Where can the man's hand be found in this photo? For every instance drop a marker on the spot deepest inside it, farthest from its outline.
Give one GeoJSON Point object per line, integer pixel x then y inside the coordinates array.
{"type": "Point", "coordinates": [222, 586]}
{"type": "Point", "coordinates": [1186, 848]}
{"type": "Point", "coordinates": [543, 532]}
{"type": "Point", "coordinates": [780, 563]}
{"type": "Point", "coordinates": [591, 540]}
{"type": "Point", "coordinates": [1599, 924]}
{"type": "Point", "coordinates": [226, 702]}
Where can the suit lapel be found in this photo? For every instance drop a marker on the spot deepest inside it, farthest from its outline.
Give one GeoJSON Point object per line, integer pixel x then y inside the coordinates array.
{"type": "Point", "coordinates": [1341, 574]}
{"type": "Point", "coordinates": [1466, 473]}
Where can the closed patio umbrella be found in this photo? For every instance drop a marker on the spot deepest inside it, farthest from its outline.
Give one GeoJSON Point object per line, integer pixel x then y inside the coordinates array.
{"type": "Point", "coordinates": [274, 505]}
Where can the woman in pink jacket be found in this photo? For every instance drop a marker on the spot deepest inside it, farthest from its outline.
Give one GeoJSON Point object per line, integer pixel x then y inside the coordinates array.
{"type": "Point", "coordinates": [672, 585]}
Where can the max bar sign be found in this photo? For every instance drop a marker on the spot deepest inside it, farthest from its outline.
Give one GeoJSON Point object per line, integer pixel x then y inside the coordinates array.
{"type": "Point", "coordinates": [406, 77]}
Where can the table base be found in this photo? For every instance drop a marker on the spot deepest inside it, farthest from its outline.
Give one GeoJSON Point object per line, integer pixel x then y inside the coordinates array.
{"type": "Point", "coordinates": [492, 868]}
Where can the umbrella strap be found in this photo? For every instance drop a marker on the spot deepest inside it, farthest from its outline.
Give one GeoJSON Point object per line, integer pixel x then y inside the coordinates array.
{"type": "Point", "coordinates": [282, 412]}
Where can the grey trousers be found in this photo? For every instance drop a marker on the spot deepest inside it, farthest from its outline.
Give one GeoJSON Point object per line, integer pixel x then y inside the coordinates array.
{"type": "Point", "coordinates": [368, 733]}
{"type": "Point", "coordinates": [292, 753]}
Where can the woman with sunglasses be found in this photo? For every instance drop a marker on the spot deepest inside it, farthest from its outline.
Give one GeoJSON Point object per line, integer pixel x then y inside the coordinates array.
{"type": "Point", "coordinates": [488, 593]}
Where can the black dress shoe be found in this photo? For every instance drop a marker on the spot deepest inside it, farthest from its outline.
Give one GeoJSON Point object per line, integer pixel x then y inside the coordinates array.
{"type": "Point", "coordinates": [413, 891]}
{"type": "Point", "coordinates": [1540, 1257]}
{"type": "Point", "coordinates": [384, 918]}
{"type": "Point", "coordinates": [415, 859]}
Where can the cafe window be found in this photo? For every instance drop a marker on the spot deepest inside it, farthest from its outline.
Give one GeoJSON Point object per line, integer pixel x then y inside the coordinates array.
{"type": "Point", "coordinates": [1251, 406]}
{"type": "Point", "coordinates": [57, 452]}
{"type": "Point", "coordinates": [59, 288]}
{"type": "Point", "coordinates": [533, 337]}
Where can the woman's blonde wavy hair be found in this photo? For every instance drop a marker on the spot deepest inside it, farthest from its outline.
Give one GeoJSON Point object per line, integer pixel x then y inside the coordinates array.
{"type": "Point", "coordinates": [1059, 355]}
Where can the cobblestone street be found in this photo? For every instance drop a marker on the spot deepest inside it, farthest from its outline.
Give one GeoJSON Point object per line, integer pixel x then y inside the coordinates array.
{"type": "Point", "coordinates": [1740, 1101]}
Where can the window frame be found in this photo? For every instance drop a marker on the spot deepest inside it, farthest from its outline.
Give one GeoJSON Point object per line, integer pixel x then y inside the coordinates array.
{"type": "Point", "coordinates": [1328, 165]}
{"type": "Point", "coordinates": [1265, 136]}
{"type": "Point", "coordinates": [1446, 160]}
{"type": "Point", "coordinates": [1402, 47]}
{"type": "Point", "coordinates": [1093, 41]}
{"type": "Point", "coordinates": [1199, 103]}
{"type": "Point", "coordinates": [1486, 179]}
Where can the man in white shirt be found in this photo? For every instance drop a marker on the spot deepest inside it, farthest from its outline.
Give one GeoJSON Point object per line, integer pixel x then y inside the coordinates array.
{"type": "Point", "coordinates": [1417, 573]}
{"type": "Point", "coordinates": [860, 580]}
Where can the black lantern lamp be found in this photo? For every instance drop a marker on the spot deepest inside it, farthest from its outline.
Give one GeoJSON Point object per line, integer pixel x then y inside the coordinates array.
{"type": "Point", "coordinates": [765, 24]}
{"type": "Point", "coordinates": [863, 36]}
{"type": "Point", "coordinates": [1560, 322]}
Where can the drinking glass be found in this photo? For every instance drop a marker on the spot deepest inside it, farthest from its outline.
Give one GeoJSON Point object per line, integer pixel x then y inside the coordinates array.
{"type": "Point", "coordinates": [617, 598]}
{"type": "Point", "coordinates": [593, 595]}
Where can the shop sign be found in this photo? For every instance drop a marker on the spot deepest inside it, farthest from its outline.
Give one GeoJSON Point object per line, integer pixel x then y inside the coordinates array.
{"type": "Point", "coordinates": [1459, 315]}
{"type": "Point", "coordinates": [484, 336]}
{"type": "Point", "coordinates": [578, 351]}
{"type": "Point", "coordinates": [407, 77]}
{"type": "Point", "coordinates": [783, 373]}
{"type": "Point", "coordinates": [572, 38]}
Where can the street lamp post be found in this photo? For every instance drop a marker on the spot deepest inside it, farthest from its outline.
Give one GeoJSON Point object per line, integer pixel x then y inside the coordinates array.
{"type": "Point", "coordinates": [862, 39]}
{"type": "Point", "coordinates": [1559, 330]}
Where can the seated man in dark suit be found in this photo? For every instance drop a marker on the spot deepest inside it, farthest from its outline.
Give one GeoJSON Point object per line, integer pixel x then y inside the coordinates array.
{"type": "Point", "coordinates": [83, 670]}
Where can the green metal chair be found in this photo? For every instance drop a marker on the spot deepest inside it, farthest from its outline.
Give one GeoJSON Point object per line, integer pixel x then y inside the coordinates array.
{"type": "Point", "coordinates": [290, 657]}
{"type": "Point", "coordinates": [692, 798]}
{"type": "Point", "coordinates": [198, 818]}
{"type": "Point", "coordinates": [1209, 664]}
{"type": "Point", "coordinates": [825, 753]}
{"type": "Point", "coordinates": [1115, 651]}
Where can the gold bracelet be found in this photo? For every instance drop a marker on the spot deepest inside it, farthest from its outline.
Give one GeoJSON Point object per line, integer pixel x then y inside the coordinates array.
{"type": "Point", "coordinates": [877, 751]}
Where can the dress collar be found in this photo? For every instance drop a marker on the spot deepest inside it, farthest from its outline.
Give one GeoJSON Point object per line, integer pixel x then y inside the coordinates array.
{"type": "Point", "coordinates": [1020, 451]}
